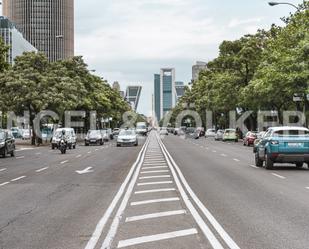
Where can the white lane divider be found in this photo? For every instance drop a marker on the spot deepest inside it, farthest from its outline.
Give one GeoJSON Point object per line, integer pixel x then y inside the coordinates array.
{"type": "Point", "coordinates": [307, 188]}
{"type": "Point", "coordinates": [157, 237]}
{"type": "Point", "coordinates": [204, 227]}
{"type": "Point", "coordinates": [279, 176]}
{"type": "Point", "coordinates": [154, 171]}
{"type": "Point", "coordinates": [3, 184]}
{"type": "Point", "coordinates": [155, 167]}
{"type": "Point", "coordinates": [20, 157]}
{"type": "Point", "coordinates": [214, 151]}
{"type": "Point", "coordinates": [63, 162]}
{"type": "Point", "coordinates": [155, 215]}
{"type": "Point", "coordinates": [153, 177]}
{"type": "Point", "coordinates": [155, 191]}
{"type": "Point", "coordinates": [4, 169]}
{"type": "Point", "coordinates": [154, 183]}
{"type": "Point", "coordinates": [223, 155]}
{"type": "Point", "coordinates": [236, 160]}
{"type": "Point", "coordinates": [138, 203]}
{"type": "Point", "coordinates": [89, 152]}
{"type": "Point", "coordinates": [100, 226]}
{"type": "Point", "coordinates": [18, 178]}
{"type": "Point", "coordinates": [78, 156]}
{"type": "Point", "coordinates": [40, 170]}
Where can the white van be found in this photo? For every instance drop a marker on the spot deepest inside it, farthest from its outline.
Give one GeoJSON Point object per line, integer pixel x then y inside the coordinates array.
{"type": "Point", "coordinates": [70, 137]}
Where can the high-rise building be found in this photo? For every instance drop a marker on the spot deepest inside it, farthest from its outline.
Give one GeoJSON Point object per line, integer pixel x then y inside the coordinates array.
{"type": "Point", "coordinates": [14, 39]}
{"type": "Point", "coordinates": [47, 24]}
{"type": "Point", "coordinates": [133, 94]}
{"type": "Point", "coordinates": [116, 86]}
{"type": "Point", "coordinates": [197, 68]}
{"type": "Point", "coordinates": [180, 89]}
{"type": "Point", "coordinates": [165, 92]}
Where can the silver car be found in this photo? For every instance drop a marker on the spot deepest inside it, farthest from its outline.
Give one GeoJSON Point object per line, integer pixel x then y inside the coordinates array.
{"type": "Point", "coordinates": [219, 135]}
{"type": "Point", "coordinates": [127, 138]}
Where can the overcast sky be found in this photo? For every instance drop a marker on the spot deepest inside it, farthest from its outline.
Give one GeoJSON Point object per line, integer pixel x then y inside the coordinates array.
{"type": "Point", "coordinates": [130, 40]}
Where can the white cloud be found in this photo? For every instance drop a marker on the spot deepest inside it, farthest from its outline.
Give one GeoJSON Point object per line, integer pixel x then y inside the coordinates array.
{"type": "Point", "coordinates": [237, 22]}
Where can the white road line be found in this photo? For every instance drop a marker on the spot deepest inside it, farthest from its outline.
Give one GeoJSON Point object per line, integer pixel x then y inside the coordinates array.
{"type": "Point", "coordinates": [63, 162]}
{"type": "Point", "coordinates": [279, 176]}
{"type": "Point", "coordinates": [3, 184]}
{"type": "Point", "coordinates": [154, 164]}
{"type": "Point", "coordinates": [96, 149]}
{"type": "Point", "coordinates": [307, 188]}
{"type": "Point", "coordinates": [205, 229]}
{"type": "Point", "coordinates": [155, 215]}
{"type": "Point", "coordinates": [214, 151]}
{"type": "Point", "coordinates": [154, 171]}
{"type": "Point", "coordinates": [223, 155]}
{"type": "Point", "coordinates": [137, 203]}
{"type": "Point", "coordinates": [1, 170]}
{"type": "Point", "coordinates": [155, 167]}
{"type": "Point", "coordinates": [236, 160]}
{"type": "Point", "coordinates": [155, 191]}
{"type": "Point", "coordinates": [125, 199]}
{"type": "Point", "coordinates": [78, 156]}
{"type": "Point", "coordinates": [20, 157]}
{"type": "Point", "coordinates": [89, 152]}
{"type": "Point", "coordinates": [157, 237]}
{"type": "Point", "coordinates": [154, 183]}
{"type": "Point", "coordinates": [253, 166]}
{"type": "Point", "coordinates": [18, 178]}
{"type": "Point", "coordinates": [101, 224]}
{"type": "Point", "coordinates": [152, 177]}
{"type": "Point", "coordinates": [40, 170]}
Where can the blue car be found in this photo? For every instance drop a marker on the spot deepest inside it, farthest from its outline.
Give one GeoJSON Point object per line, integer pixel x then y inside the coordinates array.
{"type": "Point", "coordinates": [283, 145]}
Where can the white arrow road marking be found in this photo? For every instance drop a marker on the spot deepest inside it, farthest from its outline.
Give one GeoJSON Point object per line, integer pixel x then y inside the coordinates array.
{"type": "Point", "coordinates": [85, 171]}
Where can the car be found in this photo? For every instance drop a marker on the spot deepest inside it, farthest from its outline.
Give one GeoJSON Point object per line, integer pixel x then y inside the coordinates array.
{"type": "Point", "coordinates": [259, 136]}
{"type": "Point", "coordinates": [69, 135]}
{"type": "Point", "coordinates": [17, 133]}
{"type": "Point", "coordinates": [219, 135]}
{"type": "Point", "coordinates": [110, 133]}
{"type": "Point", "coordinates": [201, 131]}
{"type": "Point", "coordinates": [250, 137]}
{"type": "Point", "coordinates": [163, 131]}
{"type": "Point", "coordinates": [116, 132]}
{"type": "Point", "coordinates": [283, 145]}
{"type": "Point", "coordinates": [141, 128]}
{"type": "Point", "coordinates": [26, 134]}
{"type": "Point", "coordinates": [127, 137]}
{"type": "Point", "coordinates": [192, 133]}
{"type": "Point", "coordinates": [105, 135]}
{"type": "Point", "coordinates": [94, 137]}
{"type": "Point", "coordinates": [210, 133]}
{"type": "Point", "coordinates": [7, 143]}
{"type": "Point", "coordinates": [230, 135]}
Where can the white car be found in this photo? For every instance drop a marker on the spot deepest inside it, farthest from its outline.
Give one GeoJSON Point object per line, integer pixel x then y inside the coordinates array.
{"type": "Point", "coordinates": [164, 131]}
{"type": "Point", "coordinates": [210, 133]}
{"type": "Point", "coordinates": [69, 135]}
{"type": "Point", "coordinates": [127, 138]}
{"type": "Point", "coordinates": [26, 134]}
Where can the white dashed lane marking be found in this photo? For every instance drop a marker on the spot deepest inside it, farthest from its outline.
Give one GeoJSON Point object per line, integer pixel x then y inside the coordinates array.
{"type": "Point", "coordinates": [279, 176]}
{"type": "Point", "coordinates": [4, 169]}
{"type": "Point", "coordinates": [18, 178]}
{"type": "Point", "coordinates": [3, 184]}
{"type": "Point", "coordinates": [40, 170]}
{"type": "Point", "coordinates": [63, 162]}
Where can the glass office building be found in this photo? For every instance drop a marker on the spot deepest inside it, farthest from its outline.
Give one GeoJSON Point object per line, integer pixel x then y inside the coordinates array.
{"type": "Point", "coordinates": [14, 39]}
{"type": "Point", "coordinates": [47, 24]}
{"type": "Point", "coordinates": [157, 96]}
{"type": "Point", "coordinates": [133, 94]}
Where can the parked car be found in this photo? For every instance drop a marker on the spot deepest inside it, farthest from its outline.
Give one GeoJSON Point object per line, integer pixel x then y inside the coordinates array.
{"type": "Point", "coordinates": [26, 134]}
{"type": "Point", "coordinates": [229, 135]}
{"type": "Point", "coordinates": [176, 130]}
{"type": "Point", "coordinates": [110, 133]}
{"type": "Point", "coordinates": [250, 137]}
{"type": "Point", "coordinates": [116, 132]}
{"type": "Point", "coordinates": [105, 135]}
{"type": "Point", "coordinates": [260, 135]}
{"type": "Point", "coordinates": [127, 138]}
{"type": "Point", "coordinates": [7, 143]}
{"type": "Point", "coordinates": [94, 137]}
{"type": "Point", "coordinates": [201, 131]}
{"type": "Point", "coordinates": [141, 128]}
{"type": "Point", "coordinates": [17, 133]}
{"type": "Point", "coordinates": [164, 131]}
{"type": "Point", "coordinates": [283, 145]}
{"type": "Point", "coordinates": [69, 136]}
{"type": "Point", "coordinates": [192, 133]}
{"type": "Point", "coordinates": [210, 133]}
{"type": "Point", "coordinates": [219, 135]}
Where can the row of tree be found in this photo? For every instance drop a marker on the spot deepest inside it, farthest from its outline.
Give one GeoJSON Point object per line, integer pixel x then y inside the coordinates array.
{"type": "Point", "coordinates": [256, 72]}
{"type": "Point", "coordinates": [34, 84]}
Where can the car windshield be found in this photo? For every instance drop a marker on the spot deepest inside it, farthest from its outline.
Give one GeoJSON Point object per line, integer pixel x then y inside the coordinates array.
{"type": "Point", "coordinates": [230, 131]}
{"type": "Point", "coordinates": [126, 133]}
{"type": "Point", "coordinates": [59, 133]}
{"type": "Point", "coordinates": [141, 127]}
{"type": "Point", "coordinates": [93, 133]}
{"type": "Point", "coordinates": [292, 132]}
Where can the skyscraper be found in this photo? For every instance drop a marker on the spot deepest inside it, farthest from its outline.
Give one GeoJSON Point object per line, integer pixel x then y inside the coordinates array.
{"type": "Point", "coordinates": [133, 95]}
{"type": "Point", "coordinates": [47, 24]}
{"type": "Point", "coordinates": [197, 68]}
{"type": "Point", "coordinates": [180, 89]}
{"type": "Point", "coordinates": [14, 39]}
{"type": "Point", "coordinates": [165, 92]}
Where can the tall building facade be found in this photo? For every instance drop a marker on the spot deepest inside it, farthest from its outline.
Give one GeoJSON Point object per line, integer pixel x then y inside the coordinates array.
{"type": "Point", "coordinates": [197, 68]}
{"type": "Point", "coordinates": [47, 24]}
{"type": "Point", "coordinates": [180, 89]}
{"type": "Point", "coordinates": [165, 92]}
{"type": "Point", "coordinates": [133, 95]}
{"type": "Point", "coordinates": [14, 39]}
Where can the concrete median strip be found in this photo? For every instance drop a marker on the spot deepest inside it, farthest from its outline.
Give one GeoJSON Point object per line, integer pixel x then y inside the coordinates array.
{"type": "Point", "coordinates": [157, 237]}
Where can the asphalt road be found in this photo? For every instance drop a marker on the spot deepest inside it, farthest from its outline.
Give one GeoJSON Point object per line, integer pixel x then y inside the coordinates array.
{"type": "Point", "coordinates": [168, 193]}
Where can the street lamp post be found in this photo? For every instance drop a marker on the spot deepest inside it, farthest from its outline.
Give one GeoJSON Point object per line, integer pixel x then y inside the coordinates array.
{"type": "Point", "coordinates": [280, 3]}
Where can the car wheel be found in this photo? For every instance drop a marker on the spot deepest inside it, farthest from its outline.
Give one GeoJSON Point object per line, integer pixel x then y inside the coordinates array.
{"type": "Point", "coordinates": [269, 164]}
{"type": "Point", "coordinates": [86, 144]}
{"type": "Point", "coordinates": [4, 153]}
{"type": "Point", "coordinates": [12, 153]}
{"type": "Point", "coordinates": [70, 146]}
{"type": "Point", "coordinates": [118, 145]}
{"type": "Point", "coordinates": [244, 143]}
{"type": "Point", "coordinates": [258, 161]}
{"type": "Point", "coordinates": [74, 146]}
{"type": "Point", "coordinates": [299, 165]}
{"type": "Point", "coordinates": [248, 143]}
{"type": "Point", "coordinates": [53, 147]}
{"type": "Point", "coordinates": [101, 143]}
